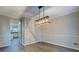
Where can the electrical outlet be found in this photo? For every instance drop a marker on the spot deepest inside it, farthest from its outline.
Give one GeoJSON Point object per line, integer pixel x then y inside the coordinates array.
{"type": "Point", "coordinates": [76, 43]}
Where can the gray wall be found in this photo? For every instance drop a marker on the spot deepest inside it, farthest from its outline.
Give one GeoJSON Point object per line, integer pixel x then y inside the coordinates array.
{"type": "Point", "coordinates": [4, 31]}
{"type": "Point", "coordinates": [63, 31]}
{"type": "Point", "coordinates": [31, 35]}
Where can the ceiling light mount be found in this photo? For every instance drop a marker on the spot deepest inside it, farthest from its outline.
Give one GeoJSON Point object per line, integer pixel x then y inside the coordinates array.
{"type": "Point", "coordinates": [40, 7]}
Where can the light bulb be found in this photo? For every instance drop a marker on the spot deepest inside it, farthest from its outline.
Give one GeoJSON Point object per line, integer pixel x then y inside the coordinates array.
{"type": "Point", "coordinates": [39, 22]}
{"type": "Point", "coordinates": [43, 21]}
{"type": "Point", "coordinates": [46, 20]}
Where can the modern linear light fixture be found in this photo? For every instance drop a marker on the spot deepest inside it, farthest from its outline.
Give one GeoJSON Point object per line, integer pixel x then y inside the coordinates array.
{"type": "Point", "coordinates": [43, 19]}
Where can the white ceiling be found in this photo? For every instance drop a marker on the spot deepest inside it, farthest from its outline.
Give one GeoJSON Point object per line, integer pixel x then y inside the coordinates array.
{"type": "Point", "coordinates": [58, 11]}
{"type": "Point", "coordinates": [32, 11]}
{"type": "Point", "coordinates": [12, 11]}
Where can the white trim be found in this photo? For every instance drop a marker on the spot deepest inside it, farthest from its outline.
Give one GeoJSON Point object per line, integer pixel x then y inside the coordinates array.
{"type": "Point", "coordinates": [24, 44]}
{"type": "Point", "coordinates": [61, 45]}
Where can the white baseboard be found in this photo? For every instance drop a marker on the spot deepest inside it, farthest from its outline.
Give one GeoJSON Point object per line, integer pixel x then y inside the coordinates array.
{"type": "Point", "coordinates": [24, 44]}
{"type": "Point", "coordinates": [62, 45]}
{"type": "Point", "coordinates": [5, 45]}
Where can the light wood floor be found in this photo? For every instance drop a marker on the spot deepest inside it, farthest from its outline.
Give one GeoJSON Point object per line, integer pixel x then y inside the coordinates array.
{"type": "Point", "coordinates": [36, 47]}
{"type": "Point", "coordinates": [46, 47]}
{"type": "Point", "coordinates": [14, 47]}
